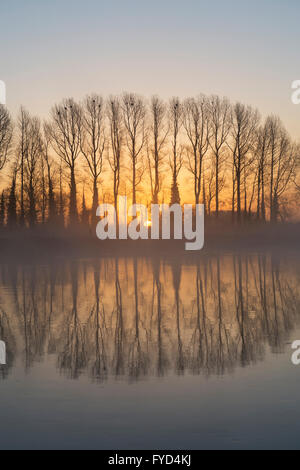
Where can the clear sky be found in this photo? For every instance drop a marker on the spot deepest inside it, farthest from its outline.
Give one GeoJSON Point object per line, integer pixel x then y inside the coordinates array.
{"type": "Point", "coordinates": [248, 50]}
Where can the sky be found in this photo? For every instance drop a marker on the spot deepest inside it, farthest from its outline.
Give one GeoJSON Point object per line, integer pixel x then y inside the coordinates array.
{"type": "Point", "coordinates": [245, 50]}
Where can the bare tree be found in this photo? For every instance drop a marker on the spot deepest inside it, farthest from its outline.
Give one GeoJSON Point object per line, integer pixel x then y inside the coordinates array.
{"type": "Point", "coordinates": [134, 112]}
{"type": "Point", "coordinates": [220, 122]}
{"type": "Point", "coordinates": [12, 199]}
{"type": "Point", "coordinates": [283, 162]}
{"type": "Point", "coordinates": [114, 112]}
{"type": "Point", "coordinates": [276, 134]}
{"type": "Point", "coordinates": [159, 134]}
{"type": "Point", "coordinates": [209, 187]}
{"type": "Point", "coordinates": [176, 158]}
{"type": "Point", "coordinates": [51, 168]}
{"type": "Point", "coordinates": [2, 209]}
{"type": "Point", "coordinates": [43, 189]}
{"type": "Point", "coordinates": [93, 142]}
{"type": "Point", "coordinates": [22, 150]}
{"type": "Point", "coordinates": [31, 166]}
{"type": "Point", "coordinates": [6, 131]}
{"type": "Point", "coordinates": [196, 121]}
{"type": "Point", "coordinates": [65, 130]}
{"type": "Point", "coordinates": [244, 121]}
{"type": "Point", "coordinates": [261, 155]}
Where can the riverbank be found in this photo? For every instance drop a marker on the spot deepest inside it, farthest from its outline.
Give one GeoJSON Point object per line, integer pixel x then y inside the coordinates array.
{"type": "Point", "coordinates": [29, 245]}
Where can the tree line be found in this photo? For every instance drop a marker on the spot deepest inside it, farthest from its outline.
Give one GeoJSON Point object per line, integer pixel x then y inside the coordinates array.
{"type": "Point", "coordinates": [203, 148]}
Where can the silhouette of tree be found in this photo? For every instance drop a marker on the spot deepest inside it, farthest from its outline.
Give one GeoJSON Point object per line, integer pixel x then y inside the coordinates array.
{"type": "Point", "coordinates": [93, 143]}
{"type": "Point", "coordinates": [134, 113]}
{"type": "Point", "coordinates": [114, 112]}
{"type": "Point", "coordinates": [2, 210]}
{"type": "Point", "coordinates": [244, 121]}
{"type": "Point", "coordinates": [220, 114]}
{"type": "Point", "coordinates": [176, 158]}
{"type": "Point", "coordinates": [51, 169]}
{"type": "Point", "coordinates": [22, 150]}
{"type": "Point", "coordinates": [31, 162]}
{"type": "Point", "coordinates": [158, 135]}
{"type": "Point", "coordinates": [66, 137]}
{"type": "Point", "coordinates": [6, 132]}
{"type": "Point", "coordinates": [196, 121]}
{"type": "Point", "coordinates": [12, 205]}
{"type": "Point", "coordinates": [84, 212]}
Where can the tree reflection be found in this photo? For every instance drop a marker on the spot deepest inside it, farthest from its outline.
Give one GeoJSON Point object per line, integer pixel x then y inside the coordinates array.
{"type": "Point", "coordinates": [130, 318]}
{"type": "Point", "coordinates": [72, 357]}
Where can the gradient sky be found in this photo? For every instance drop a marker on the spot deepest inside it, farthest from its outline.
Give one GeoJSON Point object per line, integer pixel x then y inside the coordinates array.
{"type": "Point", "coordinates": [246, 50]}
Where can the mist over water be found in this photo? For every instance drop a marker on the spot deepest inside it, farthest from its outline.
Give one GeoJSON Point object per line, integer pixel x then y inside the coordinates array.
{"type": "Point", "coordinates": [172, 332]}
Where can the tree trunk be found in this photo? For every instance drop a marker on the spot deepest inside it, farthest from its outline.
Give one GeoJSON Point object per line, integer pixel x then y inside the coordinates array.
{"type": "Point", "coordinates": [73, 200]}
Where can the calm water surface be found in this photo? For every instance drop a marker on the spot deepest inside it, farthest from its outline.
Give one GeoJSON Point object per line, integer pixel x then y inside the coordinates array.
{"type": "Point", "coordinates": [159, 354]}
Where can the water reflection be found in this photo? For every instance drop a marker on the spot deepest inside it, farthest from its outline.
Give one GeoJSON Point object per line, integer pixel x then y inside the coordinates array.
{"type": "Point", "coordinates": [135, 317]}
